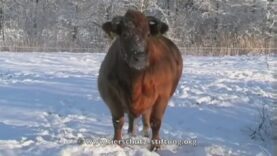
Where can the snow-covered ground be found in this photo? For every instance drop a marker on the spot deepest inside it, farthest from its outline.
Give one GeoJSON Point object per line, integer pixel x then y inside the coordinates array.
{"type": "Point", "coordinates": [49, 103]}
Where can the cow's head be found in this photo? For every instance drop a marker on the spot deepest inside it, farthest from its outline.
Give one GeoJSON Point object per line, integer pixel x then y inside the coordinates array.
{"type": "Point", "coordinates": [134, 30]}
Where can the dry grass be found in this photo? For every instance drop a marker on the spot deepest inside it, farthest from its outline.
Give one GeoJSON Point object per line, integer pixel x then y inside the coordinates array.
{"type": "Point", "coordinates": [225, 44]}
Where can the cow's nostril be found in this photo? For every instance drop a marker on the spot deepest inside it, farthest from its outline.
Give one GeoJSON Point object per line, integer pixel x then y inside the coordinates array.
{"type": "Point", "coordinates": [136, 59]}
{"type": "Point", "coordinates": [138, 56]}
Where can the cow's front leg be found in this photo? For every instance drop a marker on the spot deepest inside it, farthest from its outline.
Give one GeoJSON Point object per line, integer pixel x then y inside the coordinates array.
{"type": "Point", "coordinates": [146, 122]}
{"type": "Point", "coordinates": [156, 121]}
{"type": "Point", "coordinates": [155, 126]}
{"type": "Point", "coordinates": [118, 122]}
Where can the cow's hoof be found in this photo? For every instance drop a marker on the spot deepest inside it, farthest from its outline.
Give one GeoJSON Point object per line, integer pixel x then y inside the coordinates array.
{"type": "Point", "coordinates": [132, 134]}
{"type": "Point", "coordinates": [146, 133]}
{"type": "Point", "coordinates": [119, 142]}
{"type": "Point", "coordinates": [155, 147]}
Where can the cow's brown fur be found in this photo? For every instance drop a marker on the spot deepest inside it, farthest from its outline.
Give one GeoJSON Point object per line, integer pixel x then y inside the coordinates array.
{"type": "Point", "coordinates": [143, 92]}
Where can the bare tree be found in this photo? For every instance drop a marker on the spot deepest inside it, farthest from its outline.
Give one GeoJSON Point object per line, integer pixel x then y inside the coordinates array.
{"type": "Point", "coordinates": [75, 24]}
{"type": "Point", "coordinates": [2, 21]}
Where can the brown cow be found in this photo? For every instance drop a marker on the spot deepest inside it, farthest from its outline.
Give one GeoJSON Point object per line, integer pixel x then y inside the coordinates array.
{"type": "Point", "coordinates": [139, 73]}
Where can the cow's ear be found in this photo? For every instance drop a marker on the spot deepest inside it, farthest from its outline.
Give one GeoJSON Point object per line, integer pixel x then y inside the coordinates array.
{"type": "Point", "coordinates": [156, 26]}
{"type": "Point", "coordinates": [164, 28]}
{"type": "Point", "coordinates": [107, 27]}
{"type": "Point", "coordinates": [113, 28]}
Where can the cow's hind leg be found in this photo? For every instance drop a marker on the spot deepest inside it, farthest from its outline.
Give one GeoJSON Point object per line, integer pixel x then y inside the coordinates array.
{"type": "Point", "coordinates": [132, 126]}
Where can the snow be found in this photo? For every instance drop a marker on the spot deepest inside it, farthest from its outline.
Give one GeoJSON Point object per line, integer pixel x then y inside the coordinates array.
{"type": "Point", "coordinates": [49, 105]}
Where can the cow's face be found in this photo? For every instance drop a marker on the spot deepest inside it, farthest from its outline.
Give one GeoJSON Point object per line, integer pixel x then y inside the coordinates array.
{"type": "Point", "coordinates": [134, 30]}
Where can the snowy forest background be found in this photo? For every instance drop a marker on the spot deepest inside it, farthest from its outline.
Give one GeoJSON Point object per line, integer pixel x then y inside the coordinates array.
{"type": "Point", "coordinates": [199, 27]}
